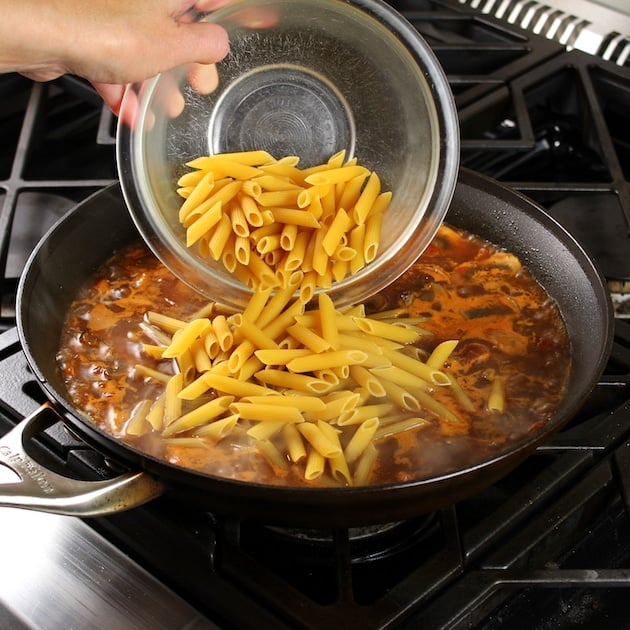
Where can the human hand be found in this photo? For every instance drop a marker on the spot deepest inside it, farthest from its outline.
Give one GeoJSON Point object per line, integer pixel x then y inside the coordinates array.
{"type": "Point", "coordinates": [110, 42]}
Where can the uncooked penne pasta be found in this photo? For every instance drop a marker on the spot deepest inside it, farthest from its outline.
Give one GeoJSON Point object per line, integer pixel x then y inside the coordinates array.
{"type": "Point", "coordinates": [496, 399]}
{"type": "Point", "coordinates": [367, 199]}
{"type": "Point", "coordinates": [199, 416]}
{"type": "Point", "coordinates": [441, 353]}
{"type": "Point", "coordinates": [294, 443]}
{"type": "Point", "coordinates": [227, 198]}
{"type": "Point", "coordinates": [315, 464]}
{"type": "Point", "coordinates": [301, 382]}
{"type": "Point", "coordinates": [264, 411]}
{"type": "Point", "coordinates": [218, 429]}
{"type": "Point", "coordinates": [361, 439]}
{"type": "Point", "coordinates": [313, 434]}
{"type": "Point", "coordinates": [138, 423]}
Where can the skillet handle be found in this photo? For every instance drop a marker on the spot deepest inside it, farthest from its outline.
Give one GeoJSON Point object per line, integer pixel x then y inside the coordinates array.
{"type": "Point", "coordinates": [43, 490]}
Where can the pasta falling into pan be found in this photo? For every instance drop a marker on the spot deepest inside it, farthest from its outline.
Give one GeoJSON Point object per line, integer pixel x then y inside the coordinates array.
{"type": "Point", "coordinates": [315, 388]}
{"type": "Point", "coordinates": [460, 357]}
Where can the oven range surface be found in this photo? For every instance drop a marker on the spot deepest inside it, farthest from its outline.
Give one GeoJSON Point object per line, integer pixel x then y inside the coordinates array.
{"type": "Point", "coordinates": [546, 547]}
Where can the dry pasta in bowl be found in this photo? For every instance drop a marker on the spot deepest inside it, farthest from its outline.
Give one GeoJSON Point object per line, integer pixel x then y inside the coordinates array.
{"type": "Point", "coordinates": [275, 225]}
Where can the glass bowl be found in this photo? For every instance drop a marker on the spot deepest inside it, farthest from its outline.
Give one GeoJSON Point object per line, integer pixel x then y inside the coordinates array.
{"type": "Point", "coordinates": [305, 79]}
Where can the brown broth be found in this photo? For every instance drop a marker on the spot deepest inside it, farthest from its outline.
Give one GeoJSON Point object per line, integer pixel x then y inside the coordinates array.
{"type": "Point", "coordinates": [463, 287]}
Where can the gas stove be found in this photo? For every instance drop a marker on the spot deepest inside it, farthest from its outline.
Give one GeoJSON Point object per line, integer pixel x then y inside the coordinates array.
{"type": "Point", "coordinates": [546, 547]}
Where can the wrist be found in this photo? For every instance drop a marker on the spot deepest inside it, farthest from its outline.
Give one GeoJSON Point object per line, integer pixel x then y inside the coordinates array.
{"type": "Point", "coordinates": [31, 39]}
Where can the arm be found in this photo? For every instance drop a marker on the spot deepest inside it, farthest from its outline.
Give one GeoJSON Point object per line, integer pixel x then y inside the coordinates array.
{"type": "Point", "coordinates": [108, 42]}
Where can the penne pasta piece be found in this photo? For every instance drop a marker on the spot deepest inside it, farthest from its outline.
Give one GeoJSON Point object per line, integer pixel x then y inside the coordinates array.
{"type": "Point", "coordinates": [326, 360]}
{"type": "Point", "coordinates": [185, 442]}
{"type": "Point", "coordinates": [394, 332]}
{"type": "Point", "coordinates": [367, 380]}
{"type": "Point", "coordinates": [400, 426]}
{"type": "Point", "coordinates": [284, 379]}
{"type": "Point", "coordinates": [280, 356]}
{"type": "Point", "coordinates": [153, 351]}
{"type": "Point", "coordinates": [145, 371]}
{"type": "Point", "coordinates": [315, 464]}
{"type": "Point", "coordinates": [460, 395]}
{"type": "Point", "coordinates": [335, 175]}
{"type": "Point", "coordinates": [256, 336]}
{"type": "Point", "coordinates": [400, 377]}
{"type": "Point", "coordinates": [138, 424]}
{"type": "Point", "coordinates": [428, 402]}
{"type": "Point", "coordinates": [200, 358]}
{"type": "Point", "coordinates": [314, 435]}
{"type": "Point", "coordinates": [496, 399]}
{"type": "Point", "coordinates": [288, 237]}
{"type": "Point", "coordinates": [327, 320]}
{"type": "Point", "coordinates": [186, 364]}
{"type": "Point", "coordinates": [275, 183]}
{"type": "Point", "coordinates": [295, 256]}
{"type": "Point", "coordinates": [248, 158]}
{"type": "Point", "coordinates": [231, 385]}
{"type": "Point", "coordinates": [250, 209]}
{"type": "Point", "coordinates": [294, 443]}
{"type": "Point", "coordinates": [334, 406]}
{"type": "Point", "coordinates": [441, 353]}
{"type": "Point", "coordinates": [249, 368]}
{"type": "Point", "coordinates": [296, 217]}
{"type": "Point", "coordinates": [256, 304]}
{"type": "Point", "coordinates": [204, 223]}
{"type": "Point", "coordinates": [222, 332]}
{"type": "Point", "coordinates": [266, 412]}
{"type": "Point", "coordinates": [218, 429]}
{"type": "Point", "coordinates": [278, 198]}
{"type": "Point", "coordinates": [298, 401]}
{"type": "Point", "coordinates": [155, 417]}
{"type": "Point", "coordinates": [219, 238]}
{"type": "Point", "coordinates": [364, 412]}
{"type": "Point", "coordinates": [367, 199]}
{"type": "Point", "coordinates": [373, 229]}
{"type": "Point", "coordinates": [361, 439]}
{"type": "Point", "coordinates": [271, 453]}
{"type": "Point", "coordinates": [338, 228]}
{"type": "Point", "coordinates": [357, 243]}
{"type": "Point", "coordinates": [310, 339]}
{"type": "Point", "coordinates": [168, 324]}
{"type": "Point", "coordinates": [199, 416]}
{"type": "Point", "coordinates": [240, 226]}
{"type": "Point", "coordinates": [365, 465]}
{"type": "Point", "coordinates": [399, 395]}
{"type": "Point", "coordinates": [197, 196]}
{"type": "Point", "coordinates": [172, 401]}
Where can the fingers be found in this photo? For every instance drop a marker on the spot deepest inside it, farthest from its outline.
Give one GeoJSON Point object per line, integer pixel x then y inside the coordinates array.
{"type": "Point", "coordinates": [111, 94]}
{"type": "Point", "coordinates": [200, 42]}
{"type": "Point", "coordinates": [203, 78]}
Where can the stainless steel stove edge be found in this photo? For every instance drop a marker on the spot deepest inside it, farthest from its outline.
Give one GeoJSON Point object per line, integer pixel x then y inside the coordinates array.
{"type": "Point", "coordinates": [599, 28]}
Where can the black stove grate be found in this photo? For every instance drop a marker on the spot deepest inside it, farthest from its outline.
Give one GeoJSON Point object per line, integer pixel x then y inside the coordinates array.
{"type": "Point", "coordinates": [559, 134]}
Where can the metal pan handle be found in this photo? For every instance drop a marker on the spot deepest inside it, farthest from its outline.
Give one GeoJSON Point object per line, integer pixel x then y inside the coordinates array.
{"type": "Point", "coordinates": [43, 490]}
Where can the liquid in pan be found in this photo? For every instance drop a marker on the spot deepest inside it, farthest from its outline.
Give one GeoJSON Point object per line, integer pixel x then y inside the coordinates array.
{"type": "Point", "coordinates": [505, 360]}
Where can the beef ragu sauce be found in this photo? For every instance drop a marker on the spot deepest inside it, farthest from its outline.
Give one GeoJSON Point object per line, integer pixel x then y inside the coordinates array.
{"type": "Point", "coordinates": [463, 288]}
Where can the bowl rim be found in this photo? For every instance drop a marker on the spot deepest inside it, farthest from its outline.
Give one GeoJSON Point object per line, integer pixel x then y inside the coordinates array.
{"type": "Point", "coordinates": [354, 288]}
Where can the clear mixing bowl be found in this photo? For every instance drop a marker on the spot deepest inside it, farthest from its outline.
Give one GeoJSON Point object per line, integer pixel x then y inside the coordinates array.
{"type": "Point", "coordinates": [305, 79]}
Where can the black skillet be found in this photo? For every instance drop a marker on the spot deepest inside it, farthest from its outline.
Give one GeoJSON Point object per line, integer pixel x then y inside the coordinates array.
{"type": "Point", "coordinates": [90, 233]}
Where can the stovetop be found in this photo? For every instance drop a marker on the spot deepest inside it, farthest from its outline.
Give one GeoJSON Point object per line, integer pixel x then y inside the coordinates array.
{"type": "Point", "coordinates": [546, 547]}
